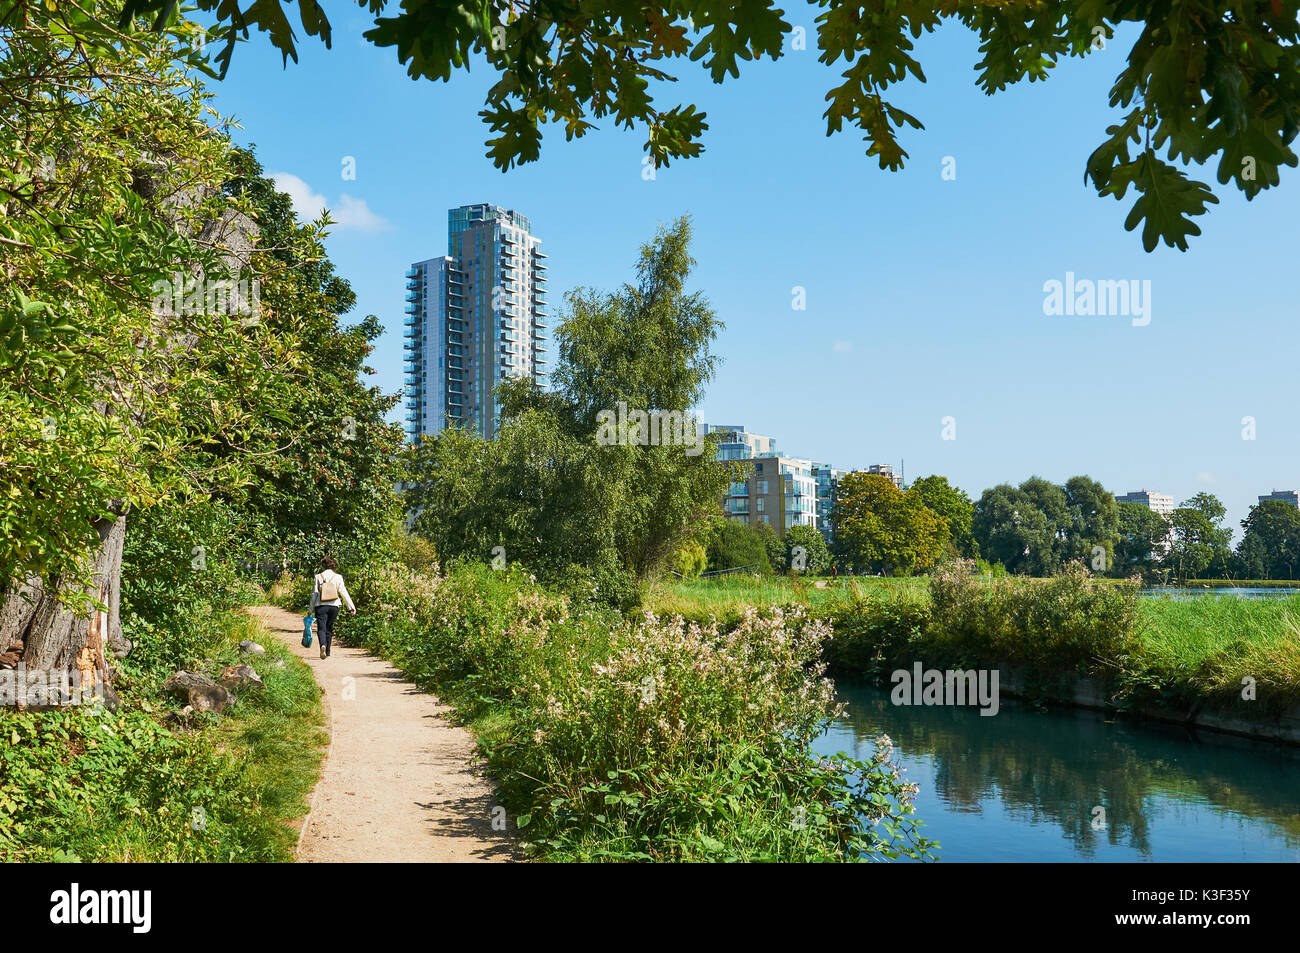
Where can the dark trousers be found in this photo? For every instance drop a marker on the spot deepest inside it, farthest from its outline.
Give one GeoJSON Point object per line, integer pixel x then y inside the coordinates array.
{"type": "Point", "coordinates": [325, 616]}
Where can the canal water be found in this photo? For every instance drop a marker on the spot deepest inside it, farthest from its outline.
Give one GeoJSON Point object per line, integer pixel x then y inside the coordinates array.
{"type": "Point", "coordinates": [1222, 592]}
{"type": "Point", "coordinates": [1022, 785]}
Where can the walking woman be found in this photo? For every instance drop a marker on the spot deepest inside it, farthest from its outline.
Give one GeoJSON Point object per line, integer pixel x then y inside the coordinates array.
{"type": "Point", "coordinates": [328, 594]}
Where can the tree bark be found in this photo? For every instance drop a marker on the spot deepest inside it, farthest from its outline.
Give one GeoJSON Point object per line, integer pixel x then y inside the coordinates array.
{"type": "Point", "coordinates": [51, 655]}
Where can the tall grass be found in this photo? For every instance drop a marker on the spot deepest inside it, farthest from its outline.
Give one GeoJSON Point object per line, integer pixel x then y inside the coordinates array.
{"type": "Point", "coordinates": [1205, 648]}
{"type": "Point", "coordinates": [723, 596]}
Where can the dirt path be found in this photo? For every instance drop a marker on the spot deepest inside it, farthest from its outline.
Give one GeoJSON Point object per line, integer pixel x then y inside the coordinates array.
{"type": "Point", "coordinates": [400, 781]}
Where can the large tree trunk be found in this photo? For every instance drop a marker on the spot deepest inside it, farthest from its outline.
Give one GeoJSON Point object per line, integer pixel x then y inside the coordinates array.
{"type": "Point", "coordinates": [49, 654]}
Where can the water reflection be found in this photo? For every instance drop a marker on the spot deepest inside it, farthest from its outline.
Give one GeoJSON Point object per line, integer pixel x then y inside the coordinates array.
{"type": "Point", "coordinates": [1023, 785]}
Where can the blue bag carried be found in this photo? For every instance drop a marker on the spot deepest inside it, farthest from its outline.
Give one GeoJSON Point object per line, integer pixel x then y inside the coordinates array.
{"type": "Point", "coordinates": [307, 620]}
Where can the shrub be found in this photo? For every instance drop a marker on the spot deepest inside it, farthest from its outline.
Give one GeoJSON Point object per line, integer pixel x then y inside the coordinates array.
{"type": "Point", "coordinates": [607, 585]}
{"type": "Point", "coordinates": [1066, 623]}
{"type": "Point", "coordinates": [414, 552]}
{"type": "Point", "coordinates": [877, 628]}
{"type": "Point", "coordinates": [735, 545]}
{"type": "Point", "coordinates": [690, 559]}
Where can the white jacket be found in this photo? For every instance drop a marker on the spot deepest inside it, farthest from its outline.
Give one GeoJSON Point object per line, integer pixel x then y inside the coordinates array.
{"type": "Point", "coordinates": [330, 575]}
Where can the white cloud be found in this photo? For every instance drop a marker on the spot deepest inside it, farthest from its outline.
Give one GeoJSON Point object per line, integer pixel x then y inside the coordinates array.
{"type": "Point", "coordinates": [1204, 477]}
{"type": "Point", "coordinates": [843, 345]}
{"type": "Point", "coordinates": [347, 212]}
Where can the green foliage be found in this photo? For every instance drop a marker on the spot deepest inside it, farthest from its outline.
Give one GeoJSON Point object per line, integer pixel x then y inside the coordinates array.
{"type": "Point", "coordinates": [414, 552]}
{"type": "Point", "coordinates": [1180, 653]}
{"type": "Point", "coordinates": [178, 570]}
{"type": "Point", "coordinates": [808, 543]}
{"type": "Point", "coordinates": [985, 568]}
{"type": "Point", "coordinates": [1201, 651]}
{"type": "Point", "coordinates": [690, 559]}
{"type": "Point", "coordinates": [206, 431]}
{"type": "Point", "coordinates": [736, 544]}
{"type": "Point", "coordinates": [324, 476]}
{"type": "Point", "coordinates": [1039, 527]}
{"type": "Point", "coordinates": [952, 503]}
{"type": "Point", "coordinates": [1270, 547]}
{"type": "Point", "coordinates": [1203, 79]}
{"type": "Point", "coordinates": [110, 404]}
{"type": "Point", "coordinates": [606, 585]}
{"type": "Point", "coordinates": [877, 628]}
{"type": "Point", "coordinates": [1094, 520]}
{"type": "Point", "coordinates": [1069, 623]}
{"type": "Point", "coordinates": [1142, 537]}
{"type": "Point", "coordinates": [647, 344]}
{"type": "Point", "coordinates": [127, 787]}
{"type": "Point", "coordinates": [617, 740]}
{"type": "Point", "coordinates": [1200, 543]}
{"type": "Point", "coordinates": [879, 527]}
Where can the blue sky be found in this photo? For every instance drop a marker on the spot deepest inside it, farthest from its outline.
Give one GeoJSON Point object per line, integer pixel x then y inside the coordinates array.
{"type": "Point", "coordinates": [924, 296]}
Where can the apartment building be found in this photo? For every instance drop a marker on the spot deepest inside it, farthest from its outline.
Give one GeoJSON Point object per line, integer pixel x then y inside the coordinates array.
{"type": "Point", "coordinates": [779, 491]}
{"type": "Point", "coordinates": [736, 443]}
{"type": "Point", "coordinates": [1159, 502]}
{"type": "Point", "coordinates": [886, 470]}
{"type": "Point", "coordinates": [474, 317]}
{"type": "Point", "coordinates": [1290, 497]}
{"type": "Point", "coordinates": [828, 486]}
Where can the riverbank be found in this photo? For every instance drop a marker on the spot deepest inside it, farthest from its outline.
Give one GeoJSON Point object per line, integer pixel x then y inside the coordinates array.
{"type": "Point", "coordinates": [1221, 664]}
{"type": "Point", "coordinates": [612, 739]}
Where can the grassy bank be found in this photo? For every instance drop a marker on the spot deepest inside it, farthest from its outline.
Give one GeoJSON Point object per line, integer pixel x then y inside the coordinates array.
{"type": "Point", "coordinates": [652, 739]}
{"type": "Point", "coordinates": [148, 784]}
{"type": "Point", "coordinates": [723, 596]}
{"type": "Point", "coordinates": [1202, 649]}
{"type": "Point", "coordinates": [1146, 651]}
